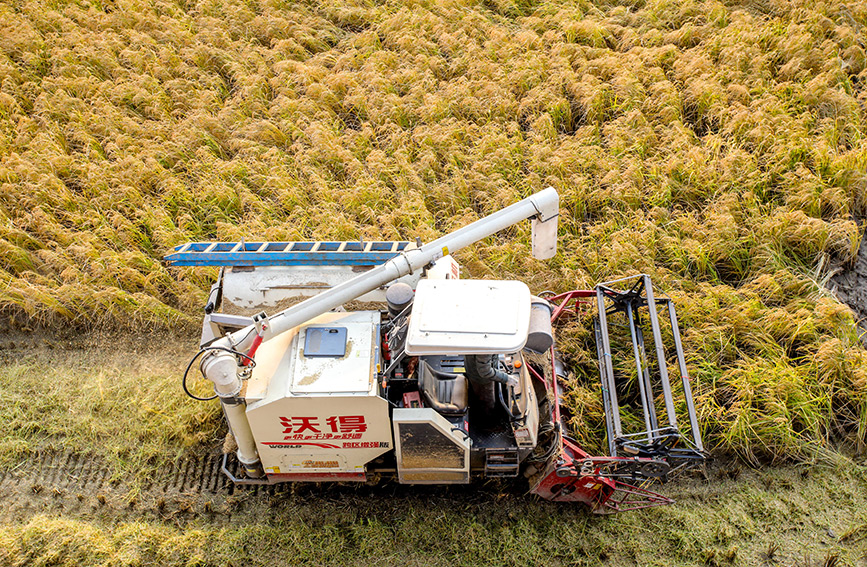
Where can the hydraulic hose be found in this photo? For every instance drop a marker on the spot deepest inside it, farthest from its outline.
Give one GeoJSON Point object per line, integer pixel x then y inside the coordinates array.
{"type": "Point", "coordinates": [248, 362]}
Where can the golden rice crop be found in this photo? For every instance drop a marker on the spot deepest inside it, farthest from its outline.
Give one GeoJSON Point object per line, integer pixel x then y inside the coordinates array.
{"type": "Point", "coordinates": [718, 146]}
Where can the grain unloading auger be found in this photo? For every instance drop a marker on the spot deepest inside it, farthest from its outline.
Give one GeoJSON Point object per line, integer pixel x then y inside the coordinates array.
{"type": "Point", "coordinates": [386, 363]}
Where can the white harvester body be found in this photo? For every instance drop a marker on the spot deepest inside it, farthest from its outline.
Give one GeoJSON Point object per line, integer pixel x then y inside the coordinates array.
{"type": "Point", "coordinates": [314, 402]}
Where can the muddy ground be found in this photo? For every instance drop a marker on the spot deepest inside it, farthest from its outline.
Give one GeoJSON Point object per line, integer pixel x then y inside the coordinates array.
{"type": "Point", "coordinates": [849, 284]}
{"type": "Point", "coordinates": [806, 515]}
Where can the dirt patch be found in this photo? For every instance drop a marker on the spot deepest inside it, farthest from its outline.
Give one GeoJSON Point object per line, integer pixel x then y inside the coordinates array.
{"type": "Point", "coordinates": [196, 490]}
{"type": "Point", "coordinates": [850, 287]}
{"type": "Point", "coordinates": [230, 308]}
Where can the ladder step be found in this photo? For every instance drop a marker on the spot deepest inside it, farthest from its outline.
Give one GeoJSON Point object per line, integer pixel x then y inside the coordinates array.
{"type": "Point", "coordinates": [501, 463]}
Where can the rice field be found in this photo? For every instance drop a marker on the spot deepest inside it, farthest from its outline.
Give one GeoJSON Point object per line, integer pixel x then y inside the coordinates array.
{"type": "Point", "coordinates": [718, 146]}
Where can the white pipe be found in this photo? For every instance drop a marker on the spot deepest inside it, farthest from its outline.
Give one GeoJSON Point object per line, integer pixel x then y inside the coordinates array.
{"type": "Point", "coordinates": [247, 453]}
{"type": "Point", "coordinates": [542, 206]}
{"type": "Point", "coordinates": [222, 369]}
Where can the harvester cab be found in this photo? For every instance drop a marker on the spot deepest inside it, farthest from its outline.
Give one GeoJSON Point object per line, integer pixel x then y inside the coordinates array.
{"type": "Point", "coordinates": [351, 361]}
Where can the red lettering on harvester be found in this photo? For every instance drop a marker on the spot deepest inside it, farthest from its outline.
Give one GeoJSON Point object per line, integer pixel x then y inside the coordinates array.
{"type": "Point", "coordinates": [299, 424]}
{"type": "Point", "coordinates": [347, 423]}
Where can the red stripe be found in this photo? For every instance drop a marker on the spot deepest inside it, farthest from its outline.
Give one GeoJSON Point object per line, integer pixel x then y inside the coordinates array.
{"type": "Point", "coordinates": [322, 445]}
{"type": "Point", "coordinates": [317, 477]}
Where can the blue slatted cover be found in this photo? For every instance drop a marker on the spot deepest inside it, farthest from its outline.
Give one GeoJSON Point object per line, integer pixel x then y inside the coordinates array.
{"type": "Point", "coordinates": [317, 253]}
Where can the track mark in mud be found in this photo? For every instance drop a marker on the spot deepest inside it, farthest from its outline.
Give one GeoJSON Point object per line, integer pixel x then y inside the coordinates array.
{"type": "Point", "coordinates": [82, 485]}
{"type": "Point", "coordinates": [72, 471]}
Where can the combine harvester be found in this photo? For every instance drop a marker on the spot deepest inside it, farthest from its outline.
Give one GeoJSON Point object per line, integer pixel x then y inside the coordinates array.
{"type": "Point", "coordinates": [386, 363]}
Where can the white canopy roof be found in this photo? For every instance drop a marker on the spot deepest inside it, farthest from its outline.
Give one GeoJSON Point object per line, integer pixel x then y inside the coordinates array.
{"type": "Point", "coordinates": [468, 317]}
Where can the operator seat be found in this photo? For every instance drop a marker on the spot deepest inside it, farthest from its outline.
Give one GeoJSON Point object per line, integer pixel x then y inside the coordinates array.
{"type": "Point", "coordinates": [444, 392]}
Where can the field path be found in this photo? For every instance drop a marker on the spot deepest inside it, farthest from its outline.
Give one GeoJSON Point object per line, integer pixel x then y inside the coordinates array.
{"type": "Point", "coordinates": [735, 516]}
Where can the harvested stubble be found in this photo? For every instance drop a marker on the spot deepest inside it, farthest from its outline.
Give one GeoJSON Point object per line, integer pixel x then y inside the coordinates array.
{"type": "Point", "coordinates": [717, 146]}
